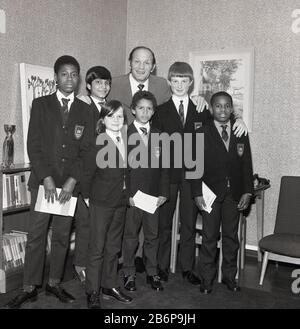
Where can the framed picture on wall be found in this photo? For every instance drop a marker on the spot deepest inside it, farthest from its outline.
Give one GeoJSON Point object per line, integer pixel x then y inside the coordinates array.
{"type": "Point", "coordinates": [36, 81]}
{"type": "Point", "coordinates": [228, 70]}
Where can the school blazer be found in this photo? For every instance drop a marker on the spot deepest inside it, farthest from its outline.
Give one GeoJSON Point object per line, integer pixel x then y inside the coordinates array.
{"type": "Point", "coordinates": [167, 120]}
{"type": "Point", "coordinates": [221, 165]}
{"type": "Point", "coordinates": [150, 180]}
{"type": "Point", "coordinates": [104, 186]}
{"type": "Point", "coordinates": [55, 149]}
{"type": "Point", "coordinates": [95, 113]}
{"type": "Point", "coordinates": [121, 91]}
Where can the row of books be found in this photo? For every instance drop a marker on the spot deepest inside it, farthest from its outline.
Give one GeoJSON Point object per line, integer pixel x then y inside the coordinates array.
{"type": "Point", "coordinates": [15, 191]}
{"type": "Point", "coordinates": [14, 244]}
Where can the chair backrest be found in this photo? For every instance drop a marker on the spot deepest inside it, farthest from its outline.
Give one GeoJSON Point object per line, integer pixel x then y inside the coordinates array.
{"type": "Point", "coordinates": [288, 210]}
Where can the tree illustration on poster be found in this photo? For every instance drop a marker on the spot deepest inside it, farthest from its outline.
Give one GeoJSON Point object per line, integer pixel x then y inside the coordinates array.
{"type": "Point", "coordinates": [36, 81]}
{"type": "Point", "coordinates": [226, 70]}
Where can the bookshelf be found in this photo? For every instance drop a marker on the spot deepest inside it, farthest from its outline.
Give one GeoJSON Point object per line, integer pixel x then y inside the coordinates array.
{"type": "Point", "coordinates": [10, 278]}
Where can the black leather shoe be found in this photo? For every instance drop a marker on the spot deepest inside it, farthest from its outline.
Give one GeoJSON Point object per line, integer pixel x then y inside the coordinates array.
{"type": "Point", "coordinates": [231, 285]}
{"type": "Point", "coordinates": [22, 298]}
{"type": "Point", "coordinates": [117, 294]}
{"type": "Point", "coordinates": [58, 292]}
{"type": "Point", "coordinates": [191, 277]}
{"type": "Point", "coordinates": [205, 288]}
{"type": "Point", "coordinates": [80, 276]}
{"type": "Point", "coordinates": [129, 282]}
{"type": "Point", "coordinates": [154, 281]}
{"type": "Point", "coordinates": [139, 265]}
{"type": "Point", "coordinates": [93, 300]}
{"type": "Point", "coordinates": [163, 275]}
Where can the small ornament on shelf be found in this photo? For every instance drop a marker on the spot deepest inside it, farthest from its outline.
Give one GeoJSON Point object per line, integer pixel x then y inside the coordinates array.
{"type": "Point", "coordinates": [8, 147]}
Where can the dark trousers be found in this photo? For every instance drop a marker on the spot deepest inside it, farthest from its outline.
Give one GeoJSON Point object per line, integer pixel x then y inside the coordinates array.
{"type": "Point", "coordinates": [106, 231]}
{"type": "Point", "coordinates": [36, 245]}
{"type": "Point", "coordinates": [82, 233]}
{"type": "Point", "coordinates": [188, 216]}
{"type": "Point", "coordinates": [223, 213]}
{"type": "Point", "coordinates": [135, 218]}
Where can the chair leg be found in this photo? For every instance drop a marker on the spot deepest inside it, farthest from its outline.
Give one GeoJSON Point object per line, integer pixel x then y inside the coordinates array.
{"type": "Point", "coordinates": [243, 244]}
{"type": "Point", "coordinates": [264, 267]}
{"type": "Point", "coordinates": [175, 238]}
{"type": "Point", "coordinates": [220, 262]}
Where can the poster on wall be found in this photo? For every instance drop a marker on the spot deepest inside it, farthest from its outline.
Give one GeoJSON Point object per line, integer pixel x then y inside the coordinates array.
{"type": "Point", "coordinates": [36, 81]}
{"type": "Point", "coordinates": [228, 70]}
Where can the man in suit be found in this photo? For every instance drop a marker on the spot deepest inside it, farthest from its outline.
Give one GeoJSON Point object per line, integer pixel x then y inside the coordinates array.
{"type": "Point", "coordinates": [98, 83]}
{"type": "Point", "coordinates": [59, 135]}
{"type": "Point", "coordinates": [228, 173]}
{"type": "Point", "coordinates": [142, 63]}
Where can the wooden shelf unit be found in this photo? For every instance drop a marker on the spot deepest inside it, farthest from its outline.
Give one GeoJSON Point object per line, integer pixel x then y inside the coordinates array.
{"type": "Point", "coordinates": [12, 278]}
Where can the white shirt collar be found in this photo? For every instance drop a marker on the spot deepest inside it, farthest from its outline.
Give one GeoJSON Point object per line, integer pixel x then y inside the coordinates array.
{"type": "Point", "coordinates": [96, 101]}
{"type": "Point", "coordinates": [134, 84]}
{"type": "Point", "coordinates": [60, 95]}
{"type": "Point", "coordinates": [219, 124]}
{"type": "Point", "coordinates": [114, 136]}
{"type": "Point", "coordinates": [139, 125]}
{"type": "Point", "coordinates": [185, 100]}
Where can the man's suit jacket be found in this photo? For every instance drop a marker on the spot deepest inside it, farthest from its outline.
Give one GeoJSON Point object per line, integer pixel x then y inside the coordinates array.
{"type": "Point", "coordinates": [167, 120]}
{"type": "Point", "coordinates": [55, 149]}
{"type": "Point", "coordinates": [153, 181]}
{"type": "Point", "coordinates": [104, 186]}
{"type": "Point", "coordinates": [221, 165]}
{"type": "Point", "coordinates": [121, 91]}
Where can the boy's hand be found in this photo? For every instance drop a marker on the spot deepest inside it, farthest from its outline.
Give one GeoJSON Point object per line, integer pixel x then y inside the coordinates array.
{"type": "Point", "coordinates": [200, 103]}
{"type": "Point", "coordinates": [200, 203]}
{"type": "Point", "coordinates": [84, 98]}
{"type": "Point", "coordinates": [131, 202]}
{"type": "Point", "coordinates": [67, 190]}
{"type": "Point", "coordinates": [244, 202]}
{"type": "Point", "coordinates": [239, 128]}
{"type": "Point", "coordinates": [50, 189]}
{"type": "Point", "coordinates": [161, 200]}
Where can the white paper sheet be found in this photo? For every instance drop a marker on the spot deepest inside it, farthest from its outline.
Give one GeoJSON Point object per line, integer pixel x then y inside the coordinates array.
{"type": "Point", "coordinates": [209, 197]}
{"type": "Point", "coordinates": [66, 209]}
{"type": "Point", "coordinates": [145, 201]}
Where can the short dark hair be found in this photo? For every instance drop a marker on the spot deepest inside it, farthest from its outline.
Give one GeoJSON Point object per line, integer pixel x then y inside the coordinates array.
{"type": "Point", "coordinates": [108, 109]}
{"type": "Point", "coordinates": [142, 47]}
{"type": "Point", "coordinates": [218, 94]}
{"type": "Point", "coordinates": [180, 69]}
{"type": "Point", "coordinates": [143, 94]}
{"type": "Point", "coordinates": [97, 72]}
{"type": "Point", "coordinates": [65, 60]}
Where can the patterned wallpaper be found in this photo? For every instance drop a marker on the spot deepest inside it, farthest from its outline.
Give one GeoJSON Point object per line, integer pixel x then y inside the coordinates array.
{"type": "Point", "coordinates": [39, 31]}
{"type": "Point", "coordinates": [172, 28]}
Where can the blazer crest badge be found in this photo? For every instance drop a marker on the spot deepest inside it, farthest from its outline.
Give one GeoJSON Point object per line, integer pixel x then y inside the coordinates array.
{"type": "Point", "coordinates": [240, 149]}
{"type": "Point", "coordinates": [78, 131]}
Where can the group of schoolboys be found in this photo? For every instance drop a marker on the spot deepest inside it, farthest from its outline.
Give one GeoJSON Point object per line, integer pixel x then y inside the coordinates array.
{"type": "Point", "coordinates": [56, 149]}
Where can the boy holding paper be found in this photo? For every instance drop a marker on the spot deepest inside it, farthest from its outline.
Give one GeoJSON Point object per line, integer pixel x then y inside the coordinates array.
{"type": "Point", "coordinates": [227, 173]}
{"type": "Point", "coordinates": [154, 182]}
{"type": "Point", "coordinates": [60, 133]}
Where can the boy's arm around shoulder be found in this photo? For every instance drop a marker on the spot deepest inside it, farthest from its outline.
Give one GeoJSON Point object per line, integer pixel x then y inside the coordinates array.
{"type": "Point", "coordinates": [40, 166]}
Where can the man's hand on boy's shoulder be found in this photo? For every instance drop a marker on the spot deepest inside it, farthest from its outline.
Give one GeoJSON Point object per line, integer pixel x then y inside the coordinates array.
{"type": "Point", "coordinates": [84, 98]}
{"type": "Point", "coordinates": [199, 102]}
{"type": "Point", "coordinates": [239, 128]}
